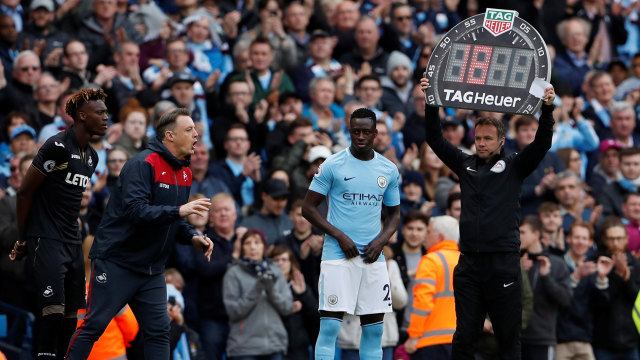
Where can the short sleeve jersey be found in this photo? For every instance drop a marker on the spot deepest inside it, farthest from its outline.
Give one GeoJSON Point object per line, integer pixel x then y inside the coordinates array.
{"type": "Point", "coordinates": [355, 192]}
{"type": "Point", "coordinates": [56, 204]}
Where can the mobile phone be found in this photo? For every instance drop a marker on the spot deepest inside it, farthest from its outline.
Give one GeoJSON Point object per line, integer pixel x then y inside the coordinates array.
{"type": "Point", "coordinates": [172, 300]}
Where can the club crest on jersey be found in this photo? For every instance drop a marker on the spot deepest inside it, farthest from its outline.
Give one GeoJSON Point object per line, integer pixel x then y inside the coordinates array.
{"type": "Point", "coordinates": [102, 278]}
{"type": "Point", "coordinates": [48, 292]}
{"type": "Point", "coordinates": [184, 175]}
{"type": "Point", "coordinates": [332, 299]}
{"type": "Point", "coordinates": [90, 162]}
{"type": "Point", "coordinates": [498, 167]}
{"type": "Point", "coordinates": [318, 172]}
{"type": "Point", "coordinates": [49, 165]}
{"type": "Point", "coordinates": [382, 181]}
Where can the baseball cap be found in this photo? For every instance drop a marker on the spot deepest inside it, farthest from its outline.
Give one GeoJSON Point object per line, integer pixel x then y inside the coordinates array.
{"type": "Point", "coordinates": [47, 4]}
{"type": "Point", "coordinates": [22, 129]}
{"type": "Point", "coordinates": [181, 76]}
{"type": "Point", "coordinates": [609, 144]}
{"type": "Point", "coordinates": [319, 33]}
{"type": "Point", "coordinates": [450, 120]}
{"type": "Point", "coordinates": [319, 152]}
{"type": "Point", "coordinates": [276, 188]}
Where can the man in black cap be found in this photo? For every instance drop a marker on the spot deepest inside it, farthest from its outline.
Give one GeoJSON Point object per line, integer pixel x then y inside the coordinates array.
{"type": "Point", "coordinates": [181, 87]}
{"type": "Point", "coordinates": [319, 64]}
{"type": "Point", "coordinates": [271, 219]}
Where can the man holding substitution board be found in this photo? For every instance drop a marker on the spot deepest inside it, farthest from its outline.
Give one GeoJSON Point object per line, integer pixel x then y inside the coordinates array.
{"type": "Point", "coordinates": [492, 56]}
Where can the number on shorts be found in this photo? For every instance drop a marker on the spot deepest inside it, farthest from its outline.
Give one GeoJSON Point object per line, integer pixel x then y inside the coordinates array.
{"type": "Point", "coordinates": [386, 288]}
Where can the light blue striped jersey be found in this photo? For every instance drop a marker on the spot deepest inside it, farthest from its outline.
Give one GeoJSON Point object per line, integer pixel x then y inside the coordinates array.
{"type": "Point", "coordinates": [355, 192]}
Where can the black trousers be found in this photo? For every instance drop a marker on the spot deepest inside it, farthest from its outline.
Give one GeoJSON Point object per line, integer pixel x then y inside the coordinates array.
{"type": "Point", "coordinates": [487, 283]}
{"type": "Point", "coordinates": [111, 287]}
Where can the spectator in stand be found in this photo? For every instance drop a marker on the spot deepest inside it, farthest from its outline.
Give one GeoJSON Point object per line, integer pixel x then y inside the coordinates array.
{"type": "Point", "coordinates": [612, 195]}
{"type": "Point", "coordinates": [14, 119]}
{"type": "Point", "coordinates": [599, 108]}
{"type": "Point", "coordinates": [184, 342]}
{"type": "Point", "coordinates": [549, 278]}
{"type": "Point", "coordinates": [261, 79]}
{"type": "Point", "coordinates": [607, 170]}
{"type": "Point", "coordinates": [367, 57]}
{"type": "Point", "coordinates": [303, 324]}
{"type": "Point", "coordinates": [103, 30]}
{"type": "Point", "coordinates": [134, 123]}
{"type": "Point", "coordinates": [183, 90]}
{"type": "Point", "coordinates": [571, 160]}
{"type": "Point", "coordinates": [454, 205]}
{"type": "Point", "coordinates": [618, 282]}
{"type": "Point", "coordinates": [75, 60]}
{"type": "Point", "coordinates": [41, 32]}
{"type": "Point", "coordinates": [214, 325]}
{"type": "Point", "coordinates": [382, 142]}
{"type": "Point", "coordinates": [323, 112]}
{"type": "Point", "coordinates": [631, 220]}
{"type": "Point", "coordinates": [623, 124]}
{"type": "Point", "coordinates": [432, 168]}
{"type": "Point", "coordinates": [413, 130]}
{"type": "Point", "coordinates": [209, 63]}
{"type": "Point", "coordinates": [204, 181]}
{"type": "Point", "coordinates": [572, 64]}
{"type": "Point", "coordinates": [413, 193]}
{"type": "Point", "coordinates": [318, 63]}
{"type": "Point", "coordinates": [240, 171]}
{"type": "Point", "coordinates": [271, 219]}
{"type": "Point", "coordinates": [306, 244]}
{"type": "Point", "coordinates": [630, 83]}
{"type": "Point", "coordinates": [46, 93]}
{"type": "Point", "coordinates": [8, 44]}
{"type": "Point", "coordinates": [256, 296]}
{"type": "Point", "coordinates": [397, 84]}
{"type": "Point", "coordinates": [575, 322]}
{"type": "Point", "coordinates": [398, 33]}
{"type": "Point", "coordinates": [61, 120]}
{"type": "Point", "coordinates": [271, 29]}
{"type": "Point", "coordinates": [345, 18]}
{"type": "Point", "coordinates": [407, 254]}
{"type": "Point", "coordinates": [607, 29]}
{"type": "Point", "coordinates": [16, 92]}
{"type": "Point", "coordinates": [569, 193]}
{"type": "Point", "coordinates": [116, 158]}
{"type": "Point", "coordinates": [296, 20]}
{"type": "Point", "coordinates": [433, 314]}
{"type": "Point", "coordinates": [551, 232]}
{"type": "Point", "coordinates": [538, 186]}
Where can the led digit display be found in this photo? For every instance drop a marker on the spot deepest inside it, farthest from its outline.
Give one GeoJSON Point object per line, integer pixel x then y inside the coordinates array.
{"type": "Point", "coordinates": [488, 62]}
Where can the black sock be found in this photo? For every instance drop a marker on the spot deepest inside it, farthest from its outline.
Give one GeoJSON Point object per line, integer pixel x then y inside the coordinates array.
{"type": "Point", "coordinates": [68, 328]}
{"type": "Point", "coordinates": [47, 342]}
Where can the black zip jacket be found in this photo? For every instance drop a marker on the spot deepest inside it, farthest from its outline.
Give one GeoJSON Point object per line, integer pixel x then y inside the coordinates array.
{"type": "Point", "coordinates": [490, 218]}
{"type": "Point", "coordinates": [142, 218]}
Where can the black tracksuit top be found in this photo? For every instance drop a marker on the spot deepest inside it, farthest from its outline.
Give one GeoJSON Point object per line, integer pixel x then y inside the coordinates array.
{"type": "Point", "coordinates": [490, 218]}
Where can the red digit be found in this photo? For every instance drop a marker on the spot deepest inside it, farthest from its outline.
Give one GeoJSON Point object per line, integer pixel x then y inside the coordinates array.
{"type": "Point", "coordinates": [480, 59]}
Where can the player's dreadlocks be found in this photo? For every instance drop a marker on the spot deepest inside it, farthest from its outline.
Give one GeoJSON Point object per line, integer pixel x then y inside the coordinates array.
{"type": "Point", "coordinates": [82, 97]}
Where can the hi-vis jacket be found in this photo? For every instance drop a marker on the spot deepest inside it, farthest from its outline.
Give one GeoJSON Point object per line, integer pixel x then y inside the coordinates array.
{"type": "Point", "coordinates": [433, 317]}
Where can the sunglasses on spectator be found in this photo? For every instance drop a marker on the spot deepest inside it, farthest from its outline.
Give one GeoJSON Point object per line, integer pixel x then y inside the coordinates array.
{"type": "Point", "coordinates": [27, 68]}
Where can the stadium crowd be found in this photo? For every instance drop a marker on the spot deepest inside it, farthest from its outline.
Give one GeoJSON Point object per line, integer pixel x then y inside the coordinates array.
{"type": "Point", "coordinates": [271, 85]}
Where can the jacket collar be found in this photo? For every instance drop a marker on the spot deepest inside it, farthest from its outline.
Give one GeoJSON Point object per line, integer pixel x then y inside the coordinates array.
{"type": "Point", "coordinates": [156, 145]}
{"type": "Point", "coordinates": [444, 245]}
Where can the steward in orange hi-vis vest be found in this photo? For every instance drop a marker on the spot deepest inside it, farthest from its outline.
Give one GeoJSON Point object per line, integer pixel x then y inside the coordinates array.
{"type": "Point", "coordinates": [433, 317]}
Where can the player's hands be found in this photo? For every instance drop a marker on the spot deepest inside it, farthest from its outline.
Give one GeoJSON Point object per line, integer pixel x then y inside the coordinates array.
{"type": "Point", "coordinates": [411, 345]}
{"type": "Point", "coordinates": [202, 242]}
{"type": "Point", "coordinates": [549, 95]}
{"type": "Point", "coordinates": [196, 207]}
{"type": "Point", "coordinates": [19, 250]}
{"type": "Point", "coordinates": [372, 251]}
{"type": "Point", "coordinates": [348, 247]}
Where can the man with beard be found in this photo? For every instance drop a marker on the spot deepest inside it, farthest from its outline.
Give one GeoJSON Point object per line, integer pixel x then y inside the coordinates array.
{"type": "Point", "coordinates": [397, 85]}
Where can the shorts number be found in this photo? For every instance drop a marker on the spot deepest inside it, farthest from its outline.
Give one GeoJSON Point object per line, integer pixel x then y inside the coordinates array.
{"type": "Point", "coordinates": [386, 288]}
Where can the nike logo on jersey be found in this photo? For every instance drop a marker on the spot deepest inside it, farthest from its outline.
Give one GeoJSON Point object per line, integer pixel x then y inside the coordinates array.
{"type": "Point", "coordinates": [507, 285]}
{"type": "Point", "coordinates": [347, 179]}
{"type": "Point", "coordinates": [470, 169]}
{"type": "Point", "coordinates": [58, 144]}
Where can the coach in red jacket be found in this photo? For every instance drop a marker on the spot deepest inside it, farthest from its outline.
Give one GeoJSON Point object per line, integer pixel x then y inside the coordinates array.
{"type": "Point", "coordinates": [144, 217]}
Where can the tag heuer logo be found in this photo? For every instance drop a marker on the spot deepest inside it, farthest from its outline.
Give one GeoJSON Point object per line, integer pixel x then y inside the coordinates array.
{"type": "Point", "coordinates": [499, 21]}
